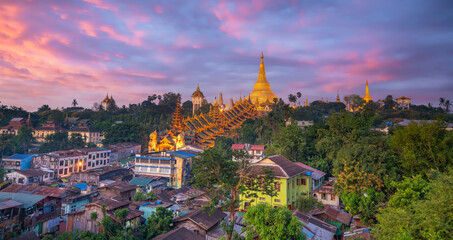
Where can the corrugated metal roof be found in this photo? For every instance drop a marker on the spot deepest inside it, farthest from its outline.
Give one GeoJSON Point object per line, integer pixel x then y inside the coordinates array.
{"type": "Point", "coordinates": [181, 154]}
{"type": "Point", "coordinates": [9, 204]}
{"type": "Point", "coordinates": [27, 200]}
{"type": "Point", "coordinates": [141, 181]}
{"type": "Point", "coordinates": [20, 156]}
{"type": "Point", "coordinates": [35, 190]}
{"type": "Point", "coordinates": [82, 186]}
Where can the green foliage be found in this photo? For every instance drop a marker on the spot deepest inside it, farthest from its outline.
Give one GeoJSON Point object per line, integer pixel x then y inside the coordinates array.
{"type": "Point", "coordinates": [408, 191]}
{"type": "Point", "coordinates": [430, 217]}
{"type": "Point", "coordinates": [121, 215]}
{"type": "Point", "coordinates": [139, 196]}
{"type": "Point", "coordinates": [422, 147]}
{"type": "Point", "coordinates": [48, 237]}
{"type": "Point", "coordinates": [158, 223]}
{"type": "Point", "coordinates": [289, 143]}
{"type": "Point", "coordinates": [272, 223]}
{"type": "Point", "coordinates": [61, 141]}
{"type": "Point", "coordinates": [93, 216]}
{"type": "Point", "coordinates": [124, 132]}
{"type": "Point", "coordinates": [308, 203]}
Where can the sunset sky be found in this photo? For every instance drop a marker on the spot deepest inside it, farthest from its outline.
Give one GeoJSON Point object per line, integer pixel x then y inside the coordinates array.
{"type": "Point", "coordinates": [54, 51]}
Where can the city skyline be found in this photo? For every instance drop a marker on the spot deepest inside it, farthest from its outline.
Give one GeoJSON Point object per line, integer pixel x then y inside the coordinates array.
{"type": "Point", "coordinates": [53, 52]}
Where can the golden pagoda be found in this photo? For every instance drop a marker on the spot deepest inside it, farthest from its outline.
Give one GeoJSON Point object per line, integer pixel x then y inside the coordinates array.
{"type": "Point", "coordinates": [177, 125]}
{"type": "Point", "coordinates": [262, 91]}
{"type": "Point", "coordinates": [367, 96]}
{"type": "Point", "coordinates": [338, 100]}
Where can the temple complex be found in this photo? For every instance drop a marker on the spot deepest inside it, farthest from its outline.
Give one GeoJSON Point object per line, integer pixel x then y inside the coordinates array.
{"type": "Point", "coordinates": [202, 129]}
{"type": "Point", "coordinates": [108, 102]}
{"type": "Point", "coordinates": [262, 95]}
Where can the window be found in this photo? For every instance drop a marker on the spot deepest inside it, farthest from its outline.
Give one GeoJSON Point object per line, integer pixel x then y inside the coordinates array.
{"type": "Point", "coordinates": [60, 171]}
{"type": "Point", "coordinates": [17, 163]}
{"type": "Point", "coordinates": [293, 183]}
{"type": "Point", "coordinates": [89, 164]}
{"type": "Point", "coordinates": [304, 181]}
{"type": "Point", "coordinates": [246, 204]}
{"type": "Point", "coordinates": [73, 208]}
{"type": "Point", "coordinates": [65, 171]}
{"type": "Point", "coordinates": [89, 156]}
{"type": "Point", "coordinates": [71, 162]}
{"type": "Point", "coordinates": [324, 196]}
{"type": "Point", "coordinates": [66, 163]}
{"type": "Point", "coordinates": [97, 155]}
{"type": "Point", "coordinates": [298, 182]}
{"type": "Point", "coordinates": [332, 197]}
{"type": "Point", "coordinates": [262, 199]}
{"type": "Point", "coordinates": [61, 163]}
{"type": "Point", "coordinates": [84, 167]}
{"type": "Point", "coordinates": [277, 200]}
{"type": "Point", "coordinates": [277, 187]}
{"type": "Point", "coordinates": [105, 162]}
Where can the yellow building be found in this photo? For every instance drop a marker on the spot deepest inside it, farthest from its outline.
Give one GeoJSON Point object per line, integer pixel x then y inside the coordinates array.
{"type": "Point", "coordinates": [47, 128]}
{"type": "Point", "coordinates": [262, 94]}
{"type": "Point", "coordinates": [292, 182]}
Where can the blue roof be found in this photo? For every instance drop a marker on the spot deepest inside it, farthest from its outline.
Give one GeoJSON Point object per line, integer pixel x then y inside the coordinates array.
{"type": "Point", "coordinates": [20, 156]}
{"type": "Point", "coordinates": [141, 181]}
{"type": "Point", "coordinates": [82, 186]}
{"type": "Point", "coordinates": [181, 154]}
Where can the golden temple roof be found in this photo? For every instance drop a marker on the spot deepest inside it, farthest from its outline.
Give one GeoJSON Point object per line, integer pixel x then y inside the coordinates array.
{"type": "Point", "coordinates": [262, 89]}
{"type": "Point", "coordinates": [367, 96]}
{"type": "Point", "coordinates": [198, 93]}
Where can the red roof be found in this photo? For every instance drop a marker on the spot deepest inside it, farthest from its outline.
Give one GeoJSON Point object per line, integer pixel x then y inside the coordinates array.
{"type": "Point", "coordinates": [35, 190]}
{"type": "Point", "coordinates": [237, 146]}
{"type": "Point", "coordinates": [257, 147]}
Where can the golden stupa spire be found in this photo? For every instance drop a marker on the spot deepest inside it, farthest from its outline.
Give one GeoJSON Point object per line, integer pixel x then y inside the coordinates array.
{"type": "Point", "coordinates": [338, 97]}
{"type": "Point", "coordinates": [220, 99]}
{"type": "Point", "coordinates": [306, 102]}
{"type": "Point", "coordinates": [367, 96]}
{"type": "Point", "coordinates": [262, 89]}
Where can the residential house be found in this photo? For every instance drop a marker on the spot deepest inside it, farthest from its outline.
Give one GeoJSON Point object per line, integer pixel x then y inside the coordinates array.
{"type": "Point", "coordinates": [9, 217]}
{"type": "Point", "coordinates": [96, 176]}
{"type": "Point", "coordinates": [14, 125]}
{"type": "Point", "coordinates": [123, 150]}
{"type": "Point", "coordinates": [292, 182]}
{"type": "Point", "coordinates": [315, 228]}
{"type": "Point", "coordinates": [179, 233]}
{"type": "Point", "coordinates": [17, 162]}
{"type": "Point", "coordinates": [81, 220]}
{"type": "Point", "coordinates": [326, 194]}
{"type": "Point", "coordinates": [316, 175]}
{"type": "Point", "coordinates": [123, 189]}
{"type": "Point", "coordinates": [174, 166]}
{"type": "Point", "coordinates": [27, 176]}
{"type": "Point", "coordinates": [202, 222]}
{"type": "Point", "coordinates": [150, 207]}
{"type": "Point", "coordinates": [334, 216]}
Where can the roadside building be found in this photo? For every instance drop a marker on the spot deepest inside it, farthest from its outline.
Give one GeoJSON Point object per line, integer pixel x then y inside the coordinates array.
{"type": "Point", "coordinates": [69, 162]}
{"type": "Point", "coordinates": [292, 182]}
{"type": "Point", "coordinates": [47, 128]}
{"type": "Point", "coordinates": [173, 166]}
{"type": "Point", "coordinates": [17, 162]}
{"type": "Point", "coordinates": [46, 161]}
{"type": "Point", "coordinates": [96, 157]}
{"type": "Point", "coordinates": [124, 189]}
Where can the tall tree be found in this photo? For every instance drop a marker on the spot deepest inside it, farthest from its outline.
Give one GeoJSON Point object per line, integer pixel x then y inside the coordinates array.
{"type": "Point", "coordinates": [158, 223]}
{"type": "Point", "coordinates": [299, 95]}
{"type": "Point", "coordinates": [74, 103]}
{"type": "Point", "coordinates": [292, 98]}
{"type": "Point", "coordinates": [272, 223]}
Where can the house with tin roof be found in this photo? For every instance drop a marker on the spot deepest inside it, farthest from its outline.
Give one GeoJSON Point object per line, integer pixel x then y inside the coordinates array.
{"type": "Point", "coordinates": [17, 162]}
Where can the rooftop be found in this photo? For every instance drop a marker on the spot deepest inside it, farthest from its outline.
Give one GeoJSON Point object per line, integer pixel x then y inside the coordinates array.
{"type": "Point", "coordinates": [90, 150]}
{"type": "Point", "coordinates": [179, 233]}
{"type": "Point", "coordinates": [282, 167]}
{"type": "Point", "coordinates": [336, 214]}
{"type": "Point", "coordinates": [27, 200]}
{"type": "Point", "coordinates": [141, 181]}
{"type": "Point", "coordinates": [6, 204]}
{"type": "Point", "coordinates": [204, 219]}
{"type": "Point", "coordinates": [35, 190]}
{"type": "Point", "coordinates": [31, 172]}
{"type": "Point", "coordinates": [317, 174]}
{"type": "Point", "coordinates": [121, 186]}
{"type": "Point", "coordinates": [20, 156]}
{"type": "Point", "coordinates": [181, 154]}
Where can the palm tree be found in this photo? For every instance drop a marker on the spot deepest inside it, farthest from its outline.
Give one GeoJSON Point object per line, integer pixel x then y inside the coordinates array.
{"type": "Point", "coordinates": [292, 98]}
{"type": "Point", "coordinates": [447, 105]}
{"type": "Point", "coordinates": [74, 103]}
{"type": "Point", "coordinates": [299, 95]}
{"type": "Point", "coordinates": [441, 102]}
